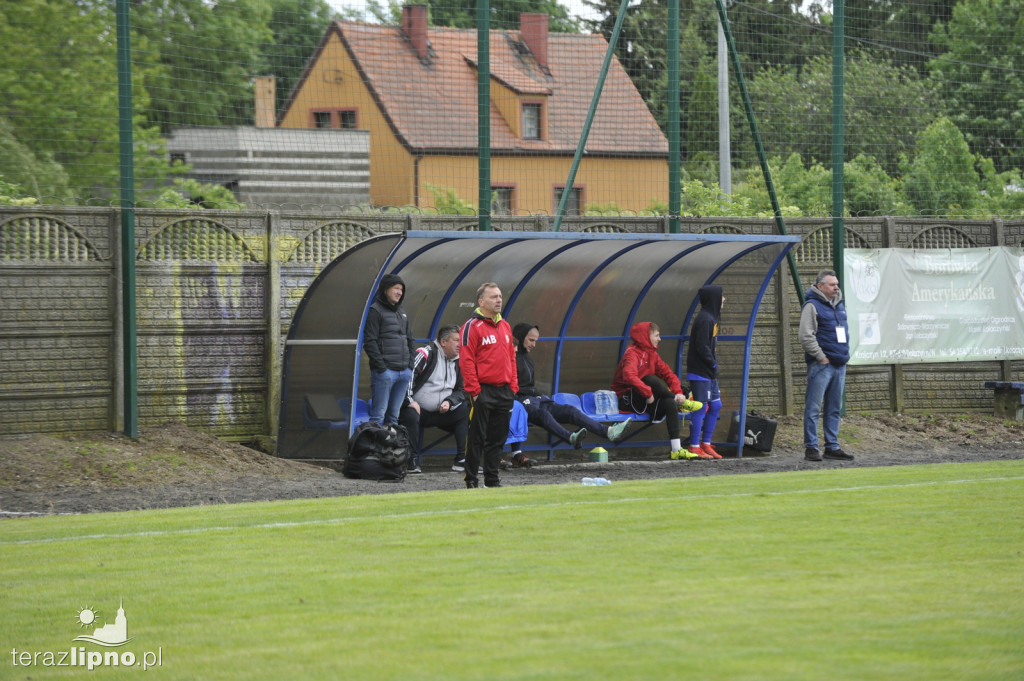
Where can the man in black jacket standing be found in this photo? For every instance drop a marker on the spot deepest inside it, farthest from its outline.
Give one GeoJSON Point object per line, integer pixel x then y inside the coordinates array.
{"type": "Point", "coordinates": [388, 342]}
{"type": "Point", "coordinates": [436, 397]}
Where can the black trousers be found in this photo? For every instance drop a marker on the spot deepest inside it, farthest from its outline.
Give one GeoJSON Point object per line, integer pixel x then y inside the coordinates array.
{"type": "Point", "coordinates": [550, 416]}
{"type": "Point", "coordinates": [663, 407]}
{"type": "Point", "coordinates": [488, 430]}
{"type": "Point", "coordinates": [455, 421]}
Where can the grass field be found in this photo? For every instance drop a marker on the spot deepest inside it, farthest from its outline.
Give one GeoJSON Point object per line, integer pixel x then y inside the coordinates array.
{"type": "Point", "coordinates": [871, 573]}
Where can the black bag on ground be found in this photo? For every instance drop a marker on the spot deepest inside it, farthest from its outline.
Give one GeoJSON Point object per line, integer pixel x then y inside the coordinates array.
{"type": "Point", "coordinates": [377, 452]}
{"type": "Point", "coordinates": [760, 433]}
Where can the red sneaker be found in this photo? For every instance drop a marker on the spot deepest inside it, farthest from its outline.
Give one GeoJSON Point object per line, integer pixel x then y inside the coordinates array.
{"type": "Point", "coordinates": [701, 454]}
{"type": "Point", "coordinates": [710, 451]}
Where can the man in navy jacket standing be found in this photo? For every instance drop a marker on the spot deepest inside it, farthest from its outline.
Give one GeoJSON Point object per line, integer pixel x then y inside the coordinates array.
{"type": "Point", "coordinates": [825, 338]}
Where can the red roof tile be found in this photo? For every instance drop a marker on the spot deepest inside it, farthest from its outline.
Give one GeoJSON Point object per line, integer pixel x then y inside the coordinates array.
{"type": "Point", "coordinates": [433, 105]}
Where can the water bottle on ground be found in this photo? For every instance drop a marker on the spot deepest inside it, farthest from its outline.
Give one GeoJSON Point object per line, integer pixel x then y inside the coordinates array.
{"type": "Point", "coordinates": [596, 482]}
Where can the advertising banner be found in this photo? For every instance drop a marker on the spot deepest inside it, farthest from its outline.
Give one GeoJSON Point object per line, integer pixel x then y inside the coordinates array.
{"type": "Point", "coordinates": [935, 305]}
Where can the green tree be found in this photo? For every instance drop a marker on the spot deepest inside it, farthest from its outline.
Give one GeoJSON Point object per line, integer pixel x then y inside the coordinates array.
{"type": "Point", "coordinates": [702, 113]}
{"type": "Point", "coordinates": [60, 94]}
{"type": "Point", "coordinates": [27, 173]}
{"type": "Point", "coordinates": [198, 59]}
{"type": "Point", "coordinates": [765, 32]}
{"type": "Point", "coordinates": [641, 44]}
{"type": "Point", "coordinates": [980, 75]}
{"type": "Point", "coordinates": [189, 193]}
{"type": "Point", "coordinates": [941, 179]}
{"type": "Point", "coordinates": [896, 29]}
{"type": "Point", "coordinates": [1002, 193]}
{"type": "Point", "coordinates": [775, 32]}
{"type": "Point", "coordinates": [807, 189]}
{"type": "Point", "coordinates": [869, 190]}
{"type": "Point", "coordinates": [886, 106]}
{"type": "Point", "coordinates": [296, 27]}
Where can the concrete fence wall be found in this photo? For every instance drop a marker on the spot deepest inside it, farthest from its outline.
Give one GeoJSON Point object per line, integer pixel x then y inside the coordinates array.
{"type": "Point", "coordinates": [216, 291]}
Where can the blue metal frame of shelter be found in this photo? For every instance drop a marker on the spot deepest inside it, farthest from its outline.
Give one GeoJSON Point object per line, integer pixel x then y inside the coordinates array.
{"type": "Point", "coordinates": [591, 288]}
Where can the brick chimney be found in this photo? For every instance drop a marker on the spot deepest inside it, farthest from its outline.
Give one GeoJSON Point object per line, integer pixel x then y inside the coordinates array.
{"type": "Point", "coordinates": [533, 30]}
{"type": "Point", "coordinates": [265, 94]}
{"type": "Point", "coordinates": [414, 26]}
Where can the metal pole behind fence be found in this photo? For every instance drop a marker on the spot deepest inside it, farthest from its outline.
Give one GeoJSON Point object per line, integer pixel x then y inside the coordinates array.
{"type": "Point", "coordinates": [483, 109]}
{"type": "Point", "coordinates": [127, 169]}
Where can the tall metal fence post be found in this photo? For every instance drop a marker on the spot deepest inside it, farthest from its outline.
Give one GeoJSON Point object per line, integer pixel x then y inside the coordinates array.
{"type": "Point", "coordinates": [838, 157]}
{"type": "Point", "coordinates": [674, 145]}
{"type": "Point", "coordinates": [838, 136]}
{"type": "Point", "coordinates": [483, 109]}
{"type": "Point", "coordinates": [127, 167]}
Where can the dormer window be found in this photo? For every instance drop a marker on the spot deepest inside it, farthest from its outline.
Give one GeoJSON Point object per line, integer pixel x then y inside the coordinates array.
{"type": "Point", "coordinates": [532, 121]}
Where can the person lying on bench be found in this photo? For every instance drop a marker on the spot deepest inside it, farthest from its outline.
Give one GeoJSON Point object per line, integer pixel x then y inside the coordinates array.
{"type": "Point", "coordinates": [646, 385]}
{"type": "Point", "coordinates": [543, 411]}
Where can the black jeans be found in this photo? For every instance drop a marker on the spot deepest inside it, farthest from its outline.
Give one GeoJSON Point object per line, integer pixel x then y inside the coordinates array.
{"type": "Point", "coordinates": [455, 421]}
{"type": "Point", "coordinates": [550, 416]}
{"type": "Point", "coordinates": [488, 430]}
{"type": "Point", "coordinates": [663, 407]}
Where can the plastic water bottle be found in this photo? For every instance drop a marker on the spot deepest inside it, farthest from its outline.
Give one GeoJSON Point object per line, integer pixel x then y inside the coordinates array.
{"type": "Point", "coordinates": [596, 482]}
{"type": "Point", "coordinates": [604, 402]}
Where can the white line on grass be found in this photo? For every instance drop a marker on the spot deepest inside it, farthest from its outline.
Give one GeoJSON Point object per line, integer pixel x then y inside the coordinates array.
{"type": "Point", "coordinates": [491, 509]}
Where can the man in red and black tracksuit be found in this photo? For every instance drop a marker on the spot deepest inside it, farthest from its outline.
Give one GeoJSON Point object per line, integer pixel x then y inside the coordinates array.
{"type": "Point", "coordinates": [488, 364]}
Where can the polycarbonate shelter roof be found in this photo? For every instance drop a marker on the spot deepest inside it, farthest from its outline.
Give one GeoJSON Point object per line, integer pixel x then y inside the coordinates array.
{"type": "Point", "coordinates": [583, 291]}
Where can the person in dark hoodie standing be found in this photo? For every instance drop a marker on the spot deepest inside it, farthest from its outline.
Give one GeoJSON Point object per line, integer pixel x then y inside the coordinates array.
{"type": "Point", "coordinates": [488, 363]}
{"type": "Point", "coordinates": [389, 345]}
{"type": "Point", "coordinates": [702, 371]}
{"type": "Point", "coordinates": [825, 338]}
{"type": "Point", "coordinates": [543, 411]}
{"type": "Point", "coordinates": [646, 385]}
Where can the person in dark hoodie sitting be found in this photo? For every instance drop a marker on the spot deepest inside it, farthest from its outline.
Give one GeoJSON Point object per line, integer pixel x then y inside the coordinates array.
{"type": "Point", "coordinates": [543, 411]}
{"type": "Point", "coordinates": [388, 342]}
{"type": "Point", "coordinates": [702, 371]}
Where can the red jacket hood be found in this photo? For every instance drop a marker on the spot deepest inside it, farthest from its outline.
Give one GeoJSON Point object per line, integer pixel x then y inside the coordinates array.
{"type": "Point", "coordinates": [640, 334]}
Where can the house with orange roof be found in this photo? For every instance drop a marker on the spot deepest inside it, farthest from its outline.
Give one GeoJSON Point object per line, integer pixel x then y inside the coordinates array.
{"type": "Point", "coordinates": [414, 88]}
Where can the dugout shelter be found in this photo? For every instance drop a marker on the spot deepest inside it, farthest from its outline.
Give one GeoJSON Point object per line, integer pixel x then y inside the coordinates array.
{"type": "Point", "coordinates": [584, 291]}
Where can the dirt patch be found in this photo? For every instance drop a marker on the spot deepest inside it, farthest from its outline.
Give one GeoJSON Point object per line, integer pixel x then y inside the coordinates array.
{"type": "Point", "coordinates": [174, 465]}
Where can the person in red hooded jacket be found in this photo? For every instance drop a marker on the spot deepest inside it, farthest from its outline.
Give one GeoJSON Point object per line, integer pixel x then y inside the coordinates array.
{"type": "Point", "coordinates": [646, 385]}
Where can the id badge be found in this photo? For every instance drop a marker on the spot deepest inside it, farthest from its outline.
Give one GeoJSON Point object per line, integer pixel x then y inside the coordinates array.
{"type": "Point", "coordinates": [841, 334]}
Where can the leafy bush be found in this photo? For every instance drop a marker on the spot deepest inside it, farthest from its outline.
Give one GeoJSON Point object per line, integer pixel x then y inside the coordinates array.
{"type": "Point", "coordinates": [189, 193]}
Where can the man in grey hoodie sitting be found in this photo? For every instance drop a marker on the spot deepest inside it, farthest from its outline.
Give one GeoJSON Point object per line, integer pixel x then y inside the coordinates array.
{"type": "Point", "coordinates": [436, 397]}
